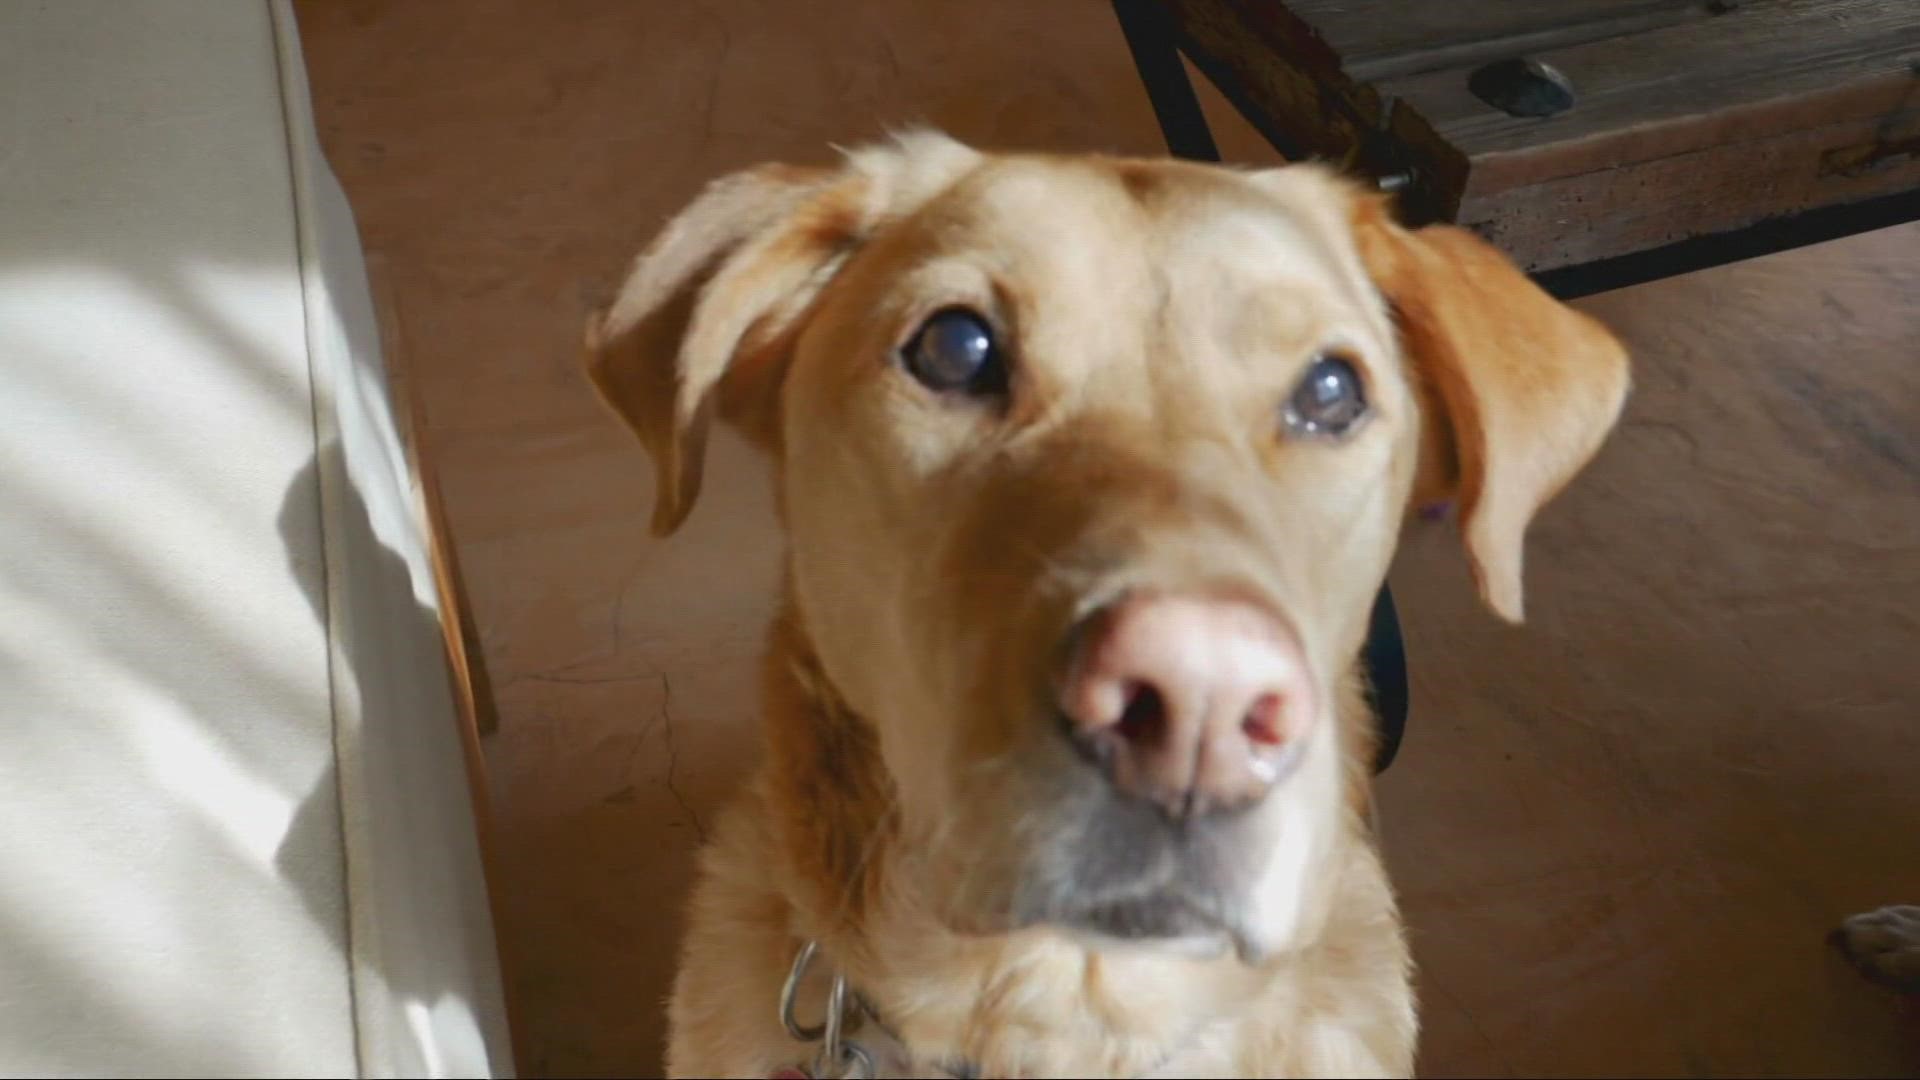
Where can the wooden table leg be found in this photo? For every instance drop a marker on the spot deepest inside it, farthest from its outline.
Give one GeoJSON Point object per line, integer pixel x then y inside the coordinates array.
{"type": "Point", "coordinates": [1156, 55]}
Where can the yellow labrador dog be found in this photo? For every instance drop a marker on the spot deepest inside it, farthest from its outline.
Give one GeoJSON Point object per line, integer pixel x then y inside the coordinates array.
{"type": "Point", "coordinates": [1090, 469]}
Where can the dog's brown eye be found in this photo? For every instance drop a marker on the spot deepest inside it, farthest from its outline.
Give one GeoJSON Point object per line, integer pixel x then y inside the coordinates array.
{"type": "Point", "coordinates": [955, 350]}
{"type": "Point", "coordinates": [1328, 401]}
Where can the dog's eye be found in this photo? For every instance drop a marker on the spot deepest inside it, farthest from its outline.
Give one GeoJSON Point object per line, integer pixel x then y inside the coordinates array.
{"type": "Point", "coordinates": [1328, 401]}
{"type": "Point", "coordinates": [955, 351]}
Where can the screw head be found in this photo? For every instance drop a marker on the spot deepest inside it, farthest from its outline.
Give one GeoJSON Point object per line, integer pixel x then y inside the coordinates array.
{"type": "Point", "coordinates": [1522, 87]}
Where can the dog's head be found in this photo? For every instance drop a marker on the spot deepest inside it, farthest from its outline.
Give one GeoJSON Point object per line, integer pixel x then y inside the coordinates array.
{"type": "Point", "coordinates": [1091, 469]}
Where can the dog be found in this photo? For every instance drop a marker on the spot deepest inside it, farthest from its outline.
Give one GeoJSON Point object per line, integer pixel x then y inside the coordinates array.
{"type": "Point", "coordinates": [1090, 469]}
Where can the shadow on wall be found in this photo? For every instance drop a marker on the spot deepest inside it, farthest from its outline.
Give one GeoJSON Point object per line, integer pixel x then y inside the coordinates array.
{"type": "Point", "coordinates": [162, 709]}
{"type": "Point", "coordinates": [172, 891]}
{"type": "Point", "coordinates": [179, 710]}
{"type": "Point", "coordinates": [404, 814]}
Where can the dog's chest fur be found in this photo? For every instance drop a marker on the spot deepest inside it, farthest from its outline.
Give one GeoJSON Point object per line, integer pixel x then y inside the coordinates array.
{"type": "Point", "coordinates": [1342, 1009]}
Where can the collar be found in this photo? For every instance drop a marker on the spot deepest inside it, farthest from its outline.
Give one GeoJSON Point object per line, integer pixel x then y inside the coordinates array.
{"type": "Point", "coordinates": [839, 1055]}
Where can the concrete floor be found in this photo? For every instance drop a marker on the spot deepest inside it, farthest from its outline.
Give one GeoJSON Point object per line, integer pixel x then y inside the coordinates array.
{"type": "Point", "coordinates": [1620, 832]}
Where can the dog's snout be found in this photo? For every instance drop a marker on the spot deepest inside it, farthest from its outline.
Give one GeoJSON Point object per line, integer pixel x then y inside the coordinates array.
{"type": "Point", "coordinates": [1197, 703]}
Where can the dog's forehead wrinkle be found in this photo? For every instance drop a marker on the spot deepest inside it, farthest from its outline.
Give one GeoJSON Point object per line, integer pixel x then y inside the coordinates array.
{"type": "Point", "coordinates": [1051, 225]}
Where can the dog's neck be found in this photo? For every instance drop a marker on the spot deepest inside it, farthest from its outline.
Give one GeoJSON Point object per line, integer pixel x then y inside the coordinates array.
{"type": "Point", "coordinates": [834, 819]}
{"type": "Point", "coordinates": [1033, 1002]}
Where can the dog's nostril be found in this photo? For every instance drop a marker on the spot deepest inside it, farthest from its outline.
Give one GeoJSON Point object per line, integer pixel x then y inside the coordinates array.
{"type": "Point", "coordinates": [1262, 722]}
{"type": "Point", "coordinates": [1195, 703]}
{"type": "Point", "coordinates": [1144, 720]}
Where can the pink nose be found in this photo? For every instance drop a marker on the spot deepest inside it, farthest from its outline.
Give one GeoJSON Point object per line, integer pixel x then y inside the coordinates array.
{"type": "Point", "coordinates": [1197, 703]}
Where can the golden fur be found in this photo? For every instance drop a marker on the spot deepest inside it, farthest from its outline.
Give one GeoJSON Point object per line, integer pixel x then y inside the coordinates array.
{"type": "Point", "coordinates": [914, 810]}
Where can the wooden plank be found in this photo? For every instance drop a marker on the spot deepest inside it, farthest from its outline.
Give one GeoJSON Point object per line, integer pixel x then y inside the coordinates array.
{"type": "Point", "coordinates": [1282, 66]}
{"type": "Point", "coordinates": [1288, 82]}
{"type": "Point", "coordinates": [1580, 219]}
{"type": "Point", "coordinates": [1383, 39]}
{"type": "Point", "coordinates": [1688, 120]}
{"type": "Point", "coordinates": [1759, 71]}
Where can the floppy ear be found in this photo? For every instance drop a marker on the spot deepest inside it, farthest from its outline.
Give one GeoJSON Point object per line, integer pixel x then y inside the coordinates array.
{"type": "Point", "coordinates": [742, 252]}
{"type": "Point", "coordinates": [708, 314]}
{"type": "Point", "coordinates": [1520, 389]}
